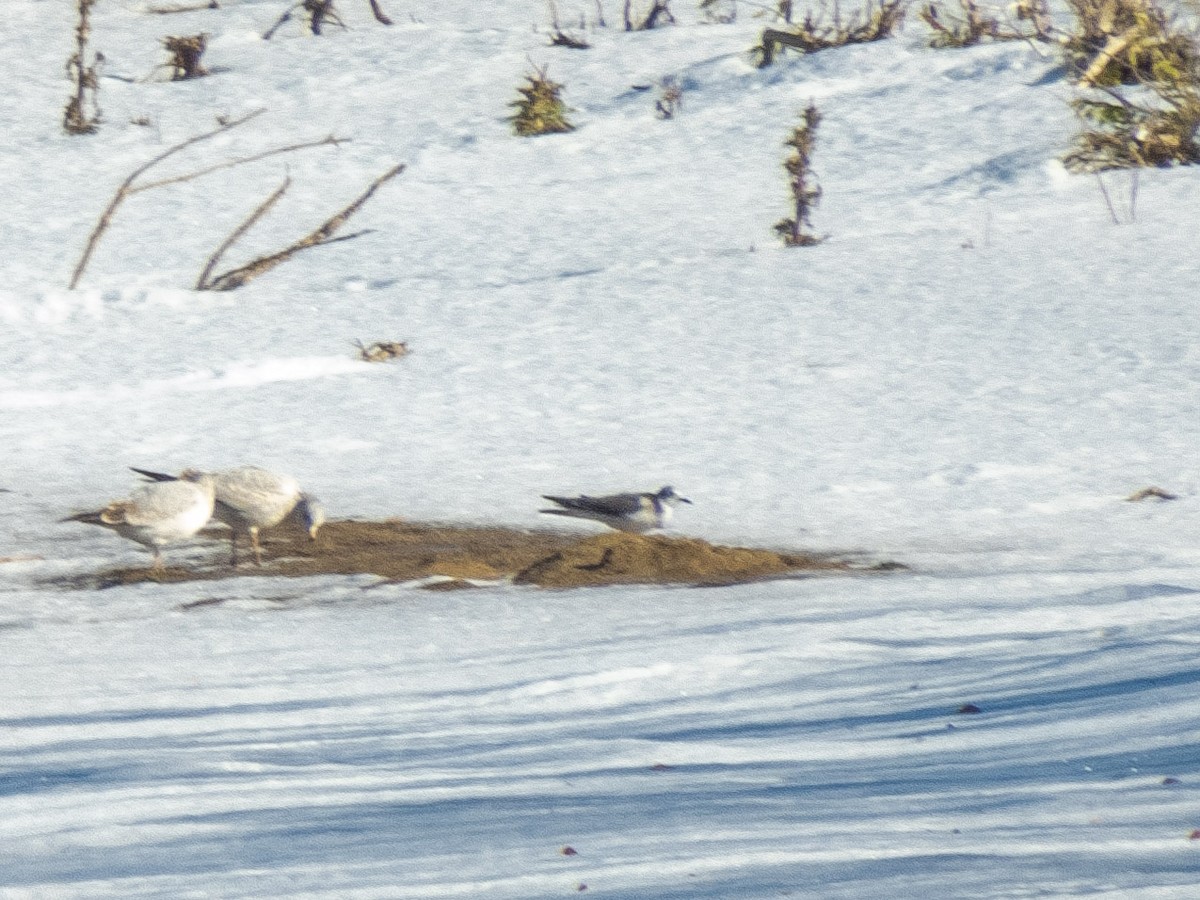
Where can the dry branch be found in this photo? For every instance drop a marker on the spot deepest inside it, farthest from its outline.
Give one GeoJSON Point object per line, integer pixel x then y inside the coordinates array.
{"type": "Point", "coordinates": [330, 141]}
{"type": "Point", "coordinates": [126, 189]}
{"type": "Point", "coordinates": [236, 234]}
{"type": "Point", "coordinates": [236, 278]}
{"type": "Point", "coordinates": [128, 186]}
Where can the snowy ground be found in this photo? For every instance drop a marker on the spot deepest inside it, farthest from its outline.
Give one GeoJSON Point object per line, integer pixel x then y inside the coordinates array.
{"type": "Point", "coordinates": [968, 376]}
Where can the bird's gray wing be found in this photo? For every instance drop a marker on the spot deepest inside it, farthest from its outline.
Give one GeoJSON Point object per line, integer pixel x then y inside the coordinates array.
{"type": "Point", "coordinates": [611, 505]}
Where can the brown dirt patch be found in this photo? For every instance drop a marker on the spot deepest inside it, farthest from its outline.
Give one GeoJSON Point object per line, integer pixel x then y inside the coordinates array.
{"type": "Point", "coordinates": [618, 558]}
{"type": "Point", "coordinates": [406, 551]}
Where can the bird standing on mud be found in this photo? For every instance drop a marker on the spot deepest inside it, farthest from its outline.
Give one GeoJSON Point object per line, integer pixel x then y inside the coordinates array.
{"type": "Point", "coordinates": [248, 499]}
{"type": "Point", "coordinates": [624, 512]}
{"type": "Point", "coordinates": [156, 515]}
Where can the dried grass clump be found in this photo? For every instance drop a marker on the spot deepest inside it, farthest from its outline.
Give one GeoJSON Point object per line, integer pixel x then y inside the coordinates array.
{"type": "Point", "coordinates": [1141, 77]}
{"type": "Point", "coordinates": [973, 24]}
{"type": "Point", "coordinates": [541, 109]}
{"type": "Point", "coordinates": [1127, 42]}
{"type": "Point", "coordinates": [1123, 134]}
{"type": "Point", "coordinates": [827, 27]}
{"type": "Point", "coordinates": [186, 53]}
{"type": "Point", "coordinates": [806, 192]}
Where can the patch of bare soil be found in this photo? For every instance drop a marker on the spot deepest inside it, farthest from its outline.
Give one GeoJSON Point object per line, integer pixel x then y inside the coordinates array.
{"type": "Point", "coordinates": [408, 551]}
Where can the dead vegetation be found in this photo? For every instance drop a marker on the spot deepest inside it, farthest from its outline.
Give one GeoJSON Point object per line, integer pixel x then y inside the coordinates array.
{"type": "Point", "coordinates": [1127, 42]}
{"type": "Point", "coordinates": [82, 114]}
{"type": "Point", "coordinates": [670, 99]}
{"type": "Point", "coordinates": [134, 184]}
{"type": "Point", "coordinates": [973, 24]}
{"type": "Point", "coordinates": [320, 13]}
{"type": "Point", "coordinates": [643, 19]}
{"type": "Point", "coordinates": [1139, 73]}
{"type": "Point", "coordinates": [562, 38]}
{"type": "Point", "coordinates": [401, 551]}
{"type": "Point", "coordinates": [806, 192]}
{"type": "Point", "coordinates": [318, 237]}
{"type": "Point", "coordinates": [826, 27]}
{"type": "Point", "coordinates": [381, 351]}
{"type": "Point", "coordinates": [540, 109]}
{"type": "Point", "coordinates": [186, 53]}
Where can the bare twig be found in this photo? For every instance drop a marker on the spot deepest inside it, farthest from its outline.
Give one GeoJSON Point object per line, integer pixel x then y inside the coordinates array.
{"type": "Point", "coordinates": [125, 189]}
{"type": "Point", "coordinates": [1107, 200]}
{"type": "Point", "coordinates": [182, 7]}
{"type": "Point", "coordinates": [237, 233]}
{"type": "Point", "coordinates": [286, 17]}
{"type": "Point", "coordinates": [229, 164]}
{"type": "Point", "coordinates": [236, 278]}
{"type": "Point", "coordinates": [377, 11]}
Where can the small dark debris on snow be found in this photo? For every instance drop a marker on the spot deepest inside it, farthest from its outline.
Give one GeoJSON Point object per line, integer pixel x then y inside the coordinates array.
{"type": "Point", "coordinates": [661, 767]}
{"type": "Point", "coordinates": [1170, 779]}
{"type": "Point", "coordinates": [569, 851]}
{"type": "Point", "coordinates": [582, 887]}
{"type": "Point", "coordinates": [968, 709]}
{"type": "Point", "coordinates": [1195, 835]}
{"type": "Point", "coordinates": [381, 351]}
{"type": "Point", "coordinates": [1148, 492]}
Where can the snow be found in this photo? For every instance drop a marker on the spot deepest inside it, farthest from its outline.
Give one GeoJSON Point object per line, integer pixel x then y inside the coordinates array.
{"type": "Point", "coordinates": [968, 376]}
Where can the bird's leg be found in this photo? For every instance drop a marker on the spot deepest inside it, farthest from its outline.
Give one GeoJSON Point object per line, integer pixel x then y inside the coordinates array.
{"type": "Point", "coordinates": [254, 544]}
{"type": "Point", "coordinates": [157, 566]}
{"type": "Point", "coordinates": [233, 548]}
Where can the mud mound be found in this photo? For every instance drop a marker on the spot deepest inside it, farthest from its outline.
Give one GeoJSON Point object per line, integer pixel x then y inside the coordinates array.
{"type": "Point", "coordinates": [408, 551]}
{"type": "Point", "coordinates": [618, 558]}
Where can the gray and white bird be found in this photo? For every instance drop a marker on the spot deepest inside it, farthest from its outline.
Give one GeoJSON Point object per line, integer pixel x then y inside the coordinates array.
{"type": "Point", "coordinates": [624, 512]}
{"type": "Point", "coordinates": [249, 499]}
{"type": "Point", "coordinates": [156, 515]}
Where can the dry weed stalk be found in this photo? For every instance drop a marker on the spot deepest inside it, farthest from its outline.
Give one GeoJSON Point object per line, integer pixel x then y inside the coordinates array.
{"type": "Point", "coordinates": [381, 351]}
{"type": "Point", "coordinates": [806, 192]}
{"type": "Point", "coordinates": [319, 12]}
{"type": "Point", "coordinates": [82, 115]}
{"type": "Point", "coordinates": [324, 234]}
{"type": "Point", "coordinates": [671, 99]}
{"type": "Point", "coordinates": [1133, 42]}
{"type": "Point", "coordinates": [561, 38]}
{"type": "Point", "coordinates": [185, 56]}
{"type": "Point", "coordinates": [129, 186]}
{"type": "Point", "coordinates": [660, 10]}
{"type": "Point", "coordinates": [826, 28]}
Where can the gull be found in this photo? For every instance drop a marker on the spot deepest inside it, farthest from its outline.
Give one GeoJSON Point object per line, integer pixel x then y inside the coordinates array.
{"type": "Point", "coordinates": [248, 499]}
{"type": "Point", "coordinates": [624, 512]}
{"type": "Point", "coordinates": [155, 515]}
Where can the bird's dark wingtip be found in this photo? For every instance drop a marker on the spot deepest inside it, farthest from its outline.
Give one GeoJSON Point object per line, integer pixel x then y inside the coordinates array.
{"type": "Point", "coordinates": [153, 476]}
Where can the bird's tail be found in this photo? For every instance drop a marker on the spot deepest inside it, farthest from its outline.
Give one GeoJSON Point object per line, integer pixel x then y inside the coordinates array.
{"type": "Point", "coordinates": [153, 476]}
